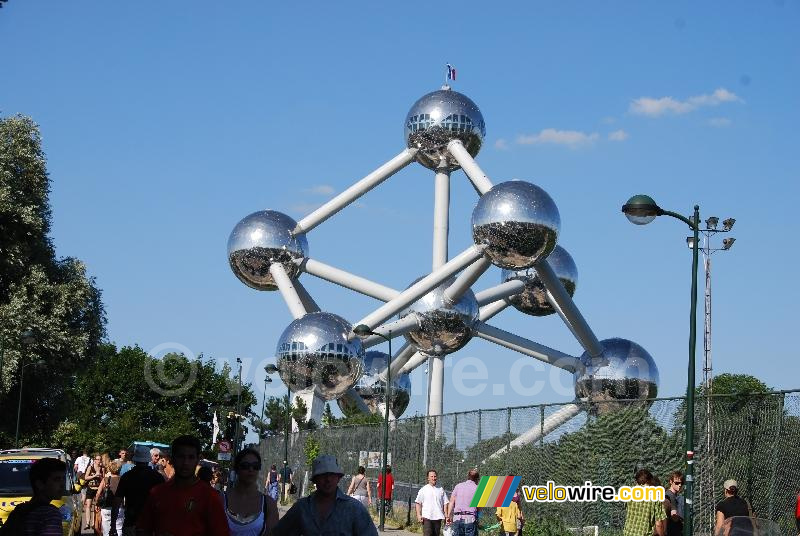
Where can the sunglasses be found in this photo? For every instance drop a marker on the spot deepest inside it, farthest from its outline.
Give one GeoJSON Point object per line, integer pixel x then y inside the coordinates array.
{"type": "Point", "coordinates": [679, 482]}
{"type": "Point", "coordinates": [255, 466]}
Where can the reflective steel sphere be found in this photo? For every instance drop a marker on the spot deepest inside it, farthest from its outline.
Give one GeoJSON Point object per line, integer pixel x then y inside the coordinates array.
{"type": "Point", "coordinates": [629, 375]}
{"type": "Point", "coordinates": [314, 352]}
{"type": "Point", "coordinates": [443, 329]}
{"type": "Point", "coordinates": [373, 391]}
{"type": "Point", "coordinates": [533, 298]}
{"type": "Point", "coordinates": [437, 118]}
{"type": "Point", "coordinates": [518, 221]}
{"type": "Point", "coordinates": [260, 239]}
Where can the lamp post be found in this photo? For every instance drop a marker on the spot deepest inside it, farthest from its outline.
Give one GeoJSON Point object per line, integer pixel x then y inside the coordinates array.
{"type": "Point", "coordinates": [28, 339]}
{"type": "Point", "coordinates": [641, 210]}
{"type": "Point", "coordinates": [271, 369]}
{"type": "Point", "coordinates": [238, 410]}
{"type": "Point", "coordinates": [267, 380]}
{"type": "Point", "coordinates": [363, 330]}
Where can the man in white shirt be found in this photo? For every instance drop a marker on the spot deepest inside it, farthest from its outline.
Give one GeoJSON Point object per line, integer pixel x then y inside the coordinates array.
{"type": "Point", "coordinates": [432, 506]}
{"type": "Point", "coordinates": [81, 463]}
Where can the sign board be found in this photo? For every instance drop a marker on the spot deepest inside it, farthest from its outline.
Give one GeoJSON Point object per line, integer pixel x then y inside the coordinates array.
{"type": "Point", "coordinates": [224, 446]}
{"type": "Point", "coordinates": [373, 459]}
{"type": "Point", "coordinates": [224, 456]}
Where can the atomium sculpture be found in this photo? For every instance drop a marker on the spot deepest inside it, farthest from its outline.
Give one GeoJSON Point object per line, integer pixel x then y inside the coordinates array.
{"type": "Point", "coordinates": [515, 226]}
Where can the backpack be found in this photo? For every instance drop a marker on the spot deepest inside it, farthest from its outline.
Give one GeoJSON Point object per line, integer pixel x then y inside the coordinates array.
{"type": "Point", "coordinates": [15, 523]}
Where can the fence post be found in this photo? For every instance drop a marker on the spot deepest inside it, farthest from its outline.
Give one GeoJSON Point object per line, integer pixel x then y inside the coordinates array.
{"type": "Point", "coordinates": [774, 449]}
{"type": "Point", "coordinates": [508, 427]}
{"type": "Point", "coordinates": [455, 430]}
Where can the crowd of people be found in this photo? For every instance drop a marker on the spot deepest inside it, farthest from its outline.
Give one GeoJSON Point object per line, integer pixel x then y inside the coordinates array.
{"type": "Point", "coordinates": [147, 496]}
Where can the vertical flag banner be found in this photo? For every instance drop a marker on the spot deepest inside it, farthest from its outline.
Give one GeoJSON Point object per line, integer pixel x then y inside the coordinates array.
{"type": "Point", "coordinates": [451, 72]}
{"type": "Point", "coordinates": [495, 491]}
{"type": "Point", "coordinates": [215, 431]}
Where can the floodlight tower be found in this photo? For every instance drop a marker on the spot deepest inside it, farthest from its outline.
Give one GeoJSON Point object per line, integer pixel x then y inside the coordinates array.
{"type": "Point", "coordinates": [709, 232]}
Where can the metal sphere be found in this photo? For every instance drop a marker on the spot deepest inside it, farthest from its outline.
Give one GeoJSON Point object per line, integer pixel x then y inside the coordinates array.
{"type": "Point", "coordinates": [373, 390]}
{"type": "Point", "coordinates": [630, 374]}
{"type": "Point", "coordinates": [258, 241]}
{"type": "Point", "coordinates": [518, 221]}
{"type": "Point", "coordinates": [314, 352]}
{"type": "Point", "coordinates": [439, 117]}
{"type": "Point", "coordinates": [533, 298]}
{"type": "Point", "coordinates": [443, 329]}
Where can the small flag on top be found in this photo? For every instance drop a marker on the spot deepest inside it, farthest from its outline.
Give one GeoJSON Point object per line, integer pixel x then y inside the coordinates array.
{"type": "Point", "coordinates": [495, 491]}
{"type": "Point", "coordinates": [451, 72]}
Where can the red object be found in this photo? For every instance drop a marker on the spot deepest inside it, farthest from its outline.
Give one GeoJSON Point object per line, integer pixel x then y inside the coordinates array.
{"type": "Point", "coordinates": [390, 486]}
{"type": "Point", "coordinates": [184, 511]}
{"type": "Point", "coordinates": [501, 497]}
{"type": "Point", "coordinates": [797, 508]}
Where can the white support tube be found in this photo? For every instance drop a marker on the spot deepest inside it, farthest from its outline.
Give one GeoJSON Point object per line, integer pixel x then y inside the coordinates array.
{"type": "Point", "coordinates": [355, 191]}
{"type": "Point", "coordinates": [470, 167]}
{"type": "Point", "coordinates": [503, 290]}
{"type": "Point", "coordinates": [537, 432]}
{"type": "Point", "coordinates": [441, 217]}
{"type": "Point", "coordinates": [573, 316]}
{"type": "Point", "coordinates": [465, 280]}
{"type": "Point", "coordinates": [415, 361]}
{"type": "Point", "coordinates": [528, 347]}
{"type": "Point", "coordinates": [287, 289]}
{"type": "Point", "coordinates": [356, 399]}
{"type": "Point", "coordinates": [488, 311]}
{"type": "Point", "coordinates": [308, 302]}
{"type": "Point", "coordinates": [554, 304]}
{"type": "Point", "coordinates": [348, 280]}
{"type": "Point", "coordinates": [398, 360]}
{"type": "Point", "coordinates": [392, 329]}
{"type": "Point", "coordinates": [421, 287]}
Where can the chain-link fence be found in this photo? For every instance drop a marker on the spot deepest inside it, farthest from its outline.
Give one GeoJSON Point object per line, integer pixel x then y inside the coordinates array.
{"type": "Point", "coordinates": [754, 439]}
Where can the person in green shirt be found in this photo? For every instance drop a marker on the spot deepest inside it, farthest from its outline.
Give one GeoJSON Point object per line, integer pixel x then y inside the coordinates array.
{"type": "Point", "coordinates": [645, 518]}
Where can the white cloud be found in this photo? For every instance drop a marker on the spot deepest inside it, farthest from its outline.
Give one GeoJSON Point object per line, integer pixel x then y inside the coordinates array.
{"type": "Point", "coordinates": [618, 135]}
{"type": "Point", "coordinates": [320, 189]}
{"type": "Point", "coordinates": [720, 122]}
{"type": "Point", "coordinates": [570, 138]}
{"type": "Point", "coordinates": [501, 144]}
{"type": "Point", "coordinates": [652, 107]}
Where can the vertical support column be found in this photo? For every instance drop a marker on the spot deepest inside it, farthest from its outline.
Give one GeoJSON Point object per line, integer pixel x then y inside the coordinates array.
{"type": "Point", "coordinates": [441, 230]}
{"type": "Point", "coordinates": [315, 405]}
{"type": "Point", "coordinates": [508, 433]}
{"type": "Point", "coordinates": [479, 425]}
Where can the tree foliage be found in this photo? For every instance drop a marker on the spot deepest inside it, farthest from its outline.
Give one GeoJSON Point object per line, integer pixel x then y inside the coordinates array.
{"type": "Point", "coordinates": [126, 395]}
{"type": "Point", "coordinates": [52, 297]}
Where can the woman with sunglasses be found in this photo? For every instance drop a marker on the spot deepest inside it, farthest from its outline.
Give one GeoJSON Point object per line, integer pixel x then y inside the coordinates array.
{"type": "Point", "coordinates": [249, 512]}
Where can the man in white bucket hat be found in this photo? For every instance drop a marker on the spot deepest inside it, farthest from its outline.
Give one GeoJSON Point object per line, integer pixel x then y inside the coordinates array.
{"type": "Point", "coordinates": [328, 510]}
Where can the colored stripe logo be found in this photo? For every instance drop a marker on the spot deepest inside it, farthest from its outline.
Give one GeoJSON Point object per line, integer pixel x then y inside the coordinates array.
{"type": "Point", "coordinates": [495, 491]}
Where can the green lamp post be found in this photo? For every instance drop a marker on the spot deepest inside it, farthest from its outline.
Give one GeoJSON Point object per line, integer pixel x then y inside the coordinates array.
{"type": "Point", "coordinates": [272, 369]}
{"type": "Point", "coordinates": [363, 330]}
{"type": "Point", "coordinates": [641, 210]}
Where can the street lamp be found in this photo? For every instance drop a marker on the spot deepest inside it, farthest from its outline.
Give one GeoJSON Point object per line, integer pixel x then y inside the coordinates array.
{"type": "Point", "coordinates": [641, 210]}
{"type": "Point", "coordinates": [362, 330]}
{"type": "Point", "coordinates": [272, 369]}
{"type": "Point", "coordinates": [28, 339]}
{"type": "Point", "coordinates": [238, 410]}
{"type": "Point", "coordinates": [267, 380]}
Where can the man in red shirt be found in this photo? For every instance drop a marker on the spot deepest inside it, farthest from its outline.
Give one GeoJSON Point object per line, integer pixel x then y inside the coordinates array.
{"type": "Point", "coordinates": [386, 496]}
{"type": "Point", "coordinates": [184, 506]}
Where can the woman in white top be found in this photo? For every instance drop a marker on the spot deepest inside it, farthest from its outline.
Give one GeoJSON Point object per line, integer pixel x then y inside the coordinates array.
{"type": "Point", "coordinates": [359, 487]}
{"type": "Point", "coordinates": [249, 512]}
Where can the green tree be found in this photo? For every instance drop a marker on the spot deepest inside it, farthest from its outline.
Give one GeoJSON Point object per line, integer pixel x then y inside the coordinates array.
{"type": "Point", "coordinates": [55, 298]}
{"type": "Point", "coordinates": [275, 415]}
{"type": "Point", "coordinates": [133, 396]}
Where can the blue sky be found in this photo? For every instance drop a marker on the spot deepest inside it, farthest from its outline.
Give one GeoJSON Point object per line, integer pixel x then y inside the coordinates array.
{"type": "Point", "coordinates": [165, 123]}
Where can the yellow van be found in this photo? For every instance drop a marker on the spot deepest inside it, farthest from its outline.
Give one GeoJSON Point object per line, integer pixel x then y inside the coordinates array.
{"type": "Point", "coordinates": [15, 487]}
